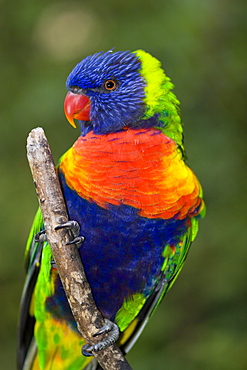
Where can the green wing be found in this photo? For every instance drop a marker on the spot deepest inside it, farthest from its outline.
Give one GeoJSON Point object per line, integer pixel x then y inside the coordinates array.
{"type": "Point", "coordinates": [32, 262]}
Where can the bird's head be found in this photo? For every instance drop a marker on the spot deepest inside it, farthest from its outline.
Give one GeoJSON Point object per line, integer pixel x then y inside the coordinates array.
{"type": "Point", "coordinates": [113, 91]}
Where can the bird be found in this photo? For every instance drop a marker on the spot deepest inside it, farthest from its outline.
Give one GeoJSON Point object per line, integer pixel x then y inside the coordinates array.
{"type": "Point", "coordinates": [136, 202]}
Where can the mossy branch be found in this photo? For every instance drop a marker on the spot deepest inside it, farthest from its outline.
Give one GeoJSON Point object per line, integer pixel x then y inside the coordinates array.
{"type": "Point", "coordinates": [88, 318]}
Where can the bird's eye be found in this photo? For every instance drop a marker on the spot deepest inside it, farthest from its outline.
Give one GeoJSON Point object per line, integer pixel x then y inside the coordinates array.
{"type": "Point", "coordinates": [110, 85]}
{"type": "Point", "coordinates": [75, 89]}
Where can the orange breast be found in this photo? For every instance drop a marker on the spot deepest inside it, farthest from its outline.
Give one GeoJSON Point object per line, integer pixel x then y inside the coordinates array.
{"type": "Point", "coordinates": [140, 168]}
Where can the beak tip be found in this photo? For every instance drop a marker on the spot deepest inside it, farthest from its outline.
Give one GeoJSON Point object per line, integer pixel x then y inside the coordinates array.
{"type": "Point", "coordinates": [70, 118]}
{"type": "Point", "coordinates": [76, 107]}
{"type": "Point", "coordinates": [71, 121]}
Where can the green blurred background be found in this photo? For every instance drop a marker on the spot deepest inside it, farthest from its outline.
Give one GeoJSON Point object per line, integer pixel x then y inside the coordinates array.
{"type": "Point", "coordinates": [202, 322]}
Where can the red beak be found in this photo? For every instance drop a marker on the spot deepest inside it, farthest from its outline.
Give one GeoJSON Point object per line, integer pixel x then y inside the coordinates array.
{"type": "Point", "coordinates": [76, 106]}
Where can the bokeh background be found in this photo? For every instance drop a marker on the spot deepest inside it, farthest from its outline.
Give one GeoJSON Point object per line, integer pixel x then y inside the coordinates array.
{"type": "Point", "coordinates": [202, 323]}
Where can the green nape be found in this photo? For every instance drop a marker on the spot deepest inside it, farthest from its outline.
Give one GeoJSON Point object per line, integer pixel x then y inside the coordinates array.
{"type": "Point", "coordinates": [159, 98]}
{"type": "Point", "coordinates": [129, 310]}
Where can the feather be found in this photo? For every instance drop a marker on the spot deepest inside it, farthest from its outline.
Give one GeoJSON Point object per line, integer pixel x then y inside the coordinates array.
{"type": "Point", "coordinates": [138, 204]}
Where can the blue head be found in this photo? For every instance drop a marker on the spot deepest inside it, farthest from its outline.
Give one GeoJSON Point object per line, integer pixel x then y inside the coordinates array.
{"type": "Point", "coordinates": [115, 88]}
{"type": "Point", "coordinates": [112, 91]}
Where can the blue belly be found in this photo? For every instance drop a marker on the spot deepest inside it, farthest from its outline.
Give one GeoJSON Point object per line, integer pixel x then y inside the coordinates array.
{"type": "Point", "coordinates": [121, 254]}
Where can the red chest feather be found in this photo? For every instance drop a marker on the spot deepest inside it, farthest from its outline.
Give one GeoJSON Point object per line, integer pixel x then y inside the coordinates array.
{"type": "Point", "coordinates": [139, 168]}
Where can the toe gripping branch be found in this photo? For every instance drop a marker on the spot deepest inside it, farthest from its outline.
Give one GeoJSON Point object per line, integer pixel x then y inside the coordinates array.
{"type": "Point", "coordinates": [75, 229]}
{"type": "Point", "coordinates": [71, 225]}
{"type": "Point", "coordinates": [112, 331]}
{"type": "Point", "coordinates": [40, 237]}
{"type": "Point", "coordinates": [74, 226]}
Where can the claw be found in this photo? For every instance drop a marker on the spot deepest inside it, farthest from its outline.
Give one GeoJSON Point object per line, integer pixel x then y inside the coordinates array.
{"type": "Point", "coordinates": [72, 225]}
{"type": "Point", "coordinates": [85, 350]}
{"type": "Point", "coordinates": [78, 241]}
{"type": "Point", "coordinates": [40, 237]}
{"type": "Point", "coordinates": [75, 228]}
{"type": "Point", "coordinates": [109, 326]}
{"type": "Point", "coordinates": [111, 338]}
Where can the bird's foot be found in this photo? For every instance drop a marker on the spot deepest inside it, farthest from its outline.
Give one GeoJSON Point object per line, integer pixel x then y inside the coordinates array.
{"type": "Point", "coordinates": [74, 226]}
{"type": "Point", "coordinates": [75, 229]}
{"type": "Point", "coordinates": [109, 328]}
{"type": "Point", "coordinates": [40, 237]}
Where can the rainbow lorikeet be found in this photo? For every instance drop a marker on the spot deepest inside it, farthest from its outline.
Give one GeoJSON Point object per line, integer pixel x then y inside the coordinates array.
{"type": "Point", "coordinates": [126, 183]}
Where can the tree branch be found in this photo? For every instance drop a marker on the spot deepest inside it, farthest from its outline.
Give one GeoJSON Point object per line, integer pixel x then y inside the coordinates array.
{"type": "Point", "coordinates": [89, 320]}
